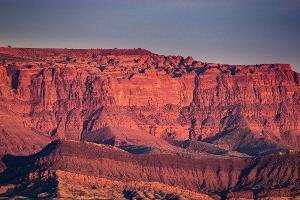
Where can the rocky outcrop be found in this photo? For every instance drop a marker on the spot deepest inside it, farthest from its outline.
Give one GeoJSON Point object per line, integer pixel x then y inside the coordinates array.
{"type": "Point", "coordinates": [274, 176]}
{"type": "Point", "coordinates": [135, 97]}
{"type": "Point", "coordinates": [15, 139]}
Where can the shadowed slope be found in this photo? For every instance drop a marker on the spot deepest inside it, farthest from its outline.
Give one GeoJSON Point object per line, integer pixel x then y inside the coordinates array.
{"type": "Point", "coordinates": [205, 174]}
{"type": "Point", "coordinates": [16, 139]}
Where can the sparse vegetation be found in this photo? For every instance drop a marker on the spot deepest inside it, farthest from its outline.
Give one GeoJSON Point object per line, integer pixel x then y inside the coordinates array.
{"type": "Point", "coordinates": [130, 76]}
{"type": "Point", "coordinates": [142, 71]}
{"type": "Point", "coordinates": [102, 68]}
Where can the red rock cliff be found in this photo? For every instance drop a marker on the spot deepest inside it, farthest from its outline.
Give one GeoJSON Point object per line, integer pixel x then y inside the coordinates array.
{"type": "Point", "coordinates": [136, 97]}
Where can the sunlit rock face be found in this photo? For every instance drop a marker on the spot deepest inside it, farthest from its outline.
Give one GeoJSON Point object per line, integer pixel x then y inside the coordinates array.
{"type": "Point", "coordinates": [132, 96]}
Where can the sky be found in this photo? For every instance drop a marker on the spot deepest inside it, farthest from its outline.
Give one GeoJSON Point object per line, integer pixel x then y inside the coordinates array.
{"type": "Point", "coordinates": [221, 31]}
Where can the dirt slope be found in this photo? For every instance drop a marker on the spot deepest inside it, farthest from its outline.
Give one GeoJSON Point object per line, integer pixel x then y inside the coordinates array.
{"type": "Point", "coordinates": [276, 175]}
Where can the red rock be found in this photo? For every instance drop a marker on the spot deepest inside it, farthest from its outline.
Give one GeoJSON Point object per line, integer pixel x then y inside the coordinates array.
{"type": "Point", "coordinates": [188, 124]}
{"type": "Point", "coordinates": [78, 94]}
{"type": "Point", "coordinates": [275, 176]}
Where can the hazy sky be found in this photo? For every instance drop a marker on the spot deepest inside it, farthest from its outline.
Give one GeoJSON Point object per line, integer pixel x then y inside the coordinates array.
{"type": "Point", "coordinates": [225, 31]}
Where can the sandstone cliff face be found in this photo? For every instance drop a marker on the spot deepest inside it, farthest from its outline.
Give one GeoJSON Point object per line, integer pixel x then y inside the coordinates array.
{"type": "Point", "coordinates": [136, 97]}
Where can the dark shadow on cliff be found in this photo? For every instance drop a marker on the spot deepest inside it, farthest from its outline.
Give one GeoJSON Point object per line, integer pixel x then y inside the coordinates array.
{"type": "Point", "coordinates": [198, 147]}
{"type": "Point", "coordinates": [18, 173]}
{"type": "Point", "coordinates": [136, 149]}
{"type": "Point", "coordinates": [244, 140]}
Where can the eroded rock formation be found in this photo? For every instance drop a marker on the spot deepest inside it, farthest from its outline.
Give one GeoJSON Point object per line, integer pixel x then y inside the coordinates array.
{"type": "Point", "coordinates": [101, 167]}
{"type": "Point", "coordinates": [125, 97]}
{"type": "Point", "coordinates": [182, 128]}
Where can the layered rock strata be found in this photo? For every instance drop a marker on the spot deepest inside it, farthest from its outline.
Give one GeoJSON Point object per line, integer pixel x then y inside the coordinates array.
{"type": "Point", "coordinates": [133, 96]}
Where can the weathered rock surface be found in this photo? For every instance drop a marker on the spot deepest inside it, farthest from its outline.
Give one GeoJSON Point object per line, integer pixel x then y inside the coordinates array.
{"type": "Point", "coordinates": [190, 126]}
{"type": "Point", "coordinates": [102, 167]}
{"type": "Point", "coordinates": [15, 139]}
{"type": "Point", "coordinates": [135, 97]}
{"type": "Point", "coordinates": [67, 185]}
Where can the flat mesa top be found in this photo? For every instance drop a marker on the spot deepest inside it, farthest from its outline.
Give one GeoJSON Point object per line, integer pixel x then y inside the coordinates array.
{"type": "Point", "coordinates": [99, 51]}
{"type": "Point", "coordinates": [125, 60]}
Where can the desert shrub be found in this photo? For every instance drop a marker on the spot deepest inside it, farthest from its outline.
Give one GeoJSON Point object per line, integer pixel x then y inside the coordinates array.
{"type": "Point", "coordinates": [102, 68]}
{"type": "Point", "coordinates": [142, 71]}
{"type": "Point", "coordinates": [130, 76]}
